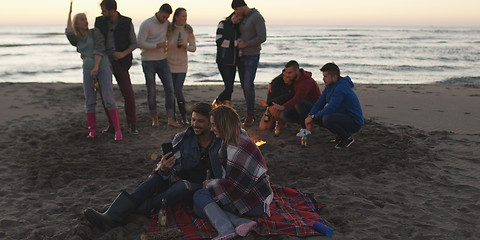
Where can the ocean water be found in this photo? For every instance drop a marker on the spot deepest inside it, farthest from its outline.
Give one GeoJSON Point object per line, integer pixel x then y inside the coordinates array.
{"type": "Point", "coordinates": [376, 55]}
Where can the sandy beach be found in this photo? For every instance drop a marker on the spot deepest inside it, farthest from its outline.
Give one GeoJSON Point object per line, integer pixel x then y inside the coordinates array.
{"type": "Point", "coordinates": [412, 173]}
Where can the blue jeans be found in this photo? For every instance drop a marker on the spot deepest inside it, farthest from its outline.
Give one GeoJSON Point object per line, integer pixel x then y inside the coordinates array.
{"type": "Point", "coordinates": [178, 80]}
{"type": "Point", "coordinates": [161, 68]}
{"type": "Point", "coordinates": [202, 198]}
{"type": "Point", "coordinates": [247, 69]}
{"type": "Point", "coordinates": [298, 113]}
{"type": "Point", "coordinates": [155, 188]}
{"type": "Point", "coordinates": [105, 80]}
{"type": "Point", "coordinates": [228, 75]}
{"type": "Point", "coordinates": [339, 123]}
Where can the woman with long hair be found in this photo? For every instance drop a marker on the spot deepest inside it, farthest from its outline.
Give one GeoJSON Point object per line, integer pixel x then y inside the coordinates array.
{"type": "Point", "coordinates": [244, 189]}
{"type": "Point", "coordinates": [180, 41]}
{"type": "Point", "coordinates": [96, 70]}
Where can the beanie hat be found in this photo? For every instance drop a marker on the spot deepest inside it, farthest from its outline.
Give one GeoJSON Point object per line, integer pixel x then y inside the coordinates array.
{"type": "Point", "coordinates": [238, 3]}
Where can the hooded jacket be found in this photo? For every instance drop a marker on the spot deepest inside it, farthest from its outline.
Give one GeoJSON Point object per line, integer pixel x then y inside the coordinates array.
{"type": "Point", "coordinates": [305, 88]}
{"type": "Point", "coordinates": [339, 98]}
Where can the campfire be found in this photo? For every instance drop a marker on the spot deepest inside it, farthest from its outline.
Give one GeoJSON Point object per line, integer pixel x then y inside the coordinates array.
{"type": "Point", "coordinates": [257, 139]}
{"type": "Point", "coordinates": [259, 142]}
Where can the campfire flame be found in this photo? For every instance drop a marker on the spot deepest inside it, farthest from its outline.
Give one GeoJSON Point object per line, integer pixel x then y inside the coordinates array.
{"type": "Point", "coordinates": [256, 139]}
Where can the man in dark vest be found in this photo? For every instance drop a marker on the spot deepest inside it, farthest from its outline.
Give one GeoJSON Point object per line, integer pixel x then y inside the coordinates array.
{"type": "Point", "coordinates": [120, 41]}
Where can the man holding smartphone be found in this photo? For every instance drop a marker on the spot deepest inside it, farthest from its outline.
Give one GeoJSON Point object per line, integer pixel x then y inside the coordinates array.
{"type": "Point", "coordinates": [186, 163]}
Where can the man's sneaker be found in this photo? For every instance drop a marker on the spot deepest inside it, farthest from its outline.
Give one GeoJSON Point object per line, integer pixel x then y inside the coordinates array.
{"type": "Point", "coordinates": [133, 129]}
{"type": "Point", "coordinates": [336, 140]}
{"type": "Point", "coordinates": [303, 132]}
{"type": "Point", "coordinates": [345, 143]}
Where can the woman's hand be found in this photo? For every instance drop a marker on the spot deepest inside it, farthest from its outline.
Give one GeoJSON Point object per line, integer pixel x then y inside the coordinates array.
{"type": "Point", "coordinates": [69, 20]}
{"type": "Point", "coordinates": [70, 12]}
{"type": "Point", "coordinates": [205, 183]}
{"type": "Point", "coordinates": [182, 43]}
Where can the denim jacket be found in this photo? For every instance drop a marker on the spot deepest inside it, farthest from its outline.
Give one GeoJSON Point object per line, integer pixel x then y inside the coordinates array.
{"type": "Point", "coordinates": [187, 153]}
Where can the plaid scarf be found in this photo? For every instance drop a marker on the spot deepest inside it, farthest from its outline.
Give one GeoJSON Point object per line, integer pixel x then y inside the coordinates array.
{"type": "Point", "coordinates": [245, 184]}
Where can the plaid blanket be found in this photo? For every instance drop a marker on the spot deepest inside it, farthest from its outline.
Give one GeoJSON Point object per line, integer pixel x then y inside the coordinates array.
{"type": "Point", "coordinates": [292, 213]}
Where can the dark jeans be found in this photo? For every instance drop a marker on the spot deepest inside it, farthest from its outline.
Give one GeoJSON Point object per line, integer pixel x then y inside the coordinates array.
{"type": "Point", "coordinates": [155, 188]}
{"type": "Point", "coordinates": [161, 68]}
{"type": "Point", "coordinates": [125, 84]}
{"type": "Point", "coordinates": [202, 198]}
{"type": "Point", "coordinates": [339, 123]}
{"type": "Point", "coordinates": [228, 75]}
{"type": "Point", "coordinates": [298, 113]}
{"type": "Point", "coordinates": [178, 80]}
{"type": "Point", "coordinates": [247, 69]}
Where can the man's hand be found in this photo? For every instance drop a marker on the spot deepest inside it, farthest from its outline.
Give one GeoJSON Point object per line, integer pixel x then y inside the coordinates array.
{"type": "Point", "coordinates": [94, 72]}
{"type": "Point", "coordinates": [162, 45]}
{"type": "Point", "coordinates": [166, 163]}
{"type": "Point", "coordinates": [278, 107]}
{"type": "Point", "coordinates": [118, 55]}
{"type": "Point", "coordinates": [241, 43]}
{"type": "Point", "coordinates": [308, 123]}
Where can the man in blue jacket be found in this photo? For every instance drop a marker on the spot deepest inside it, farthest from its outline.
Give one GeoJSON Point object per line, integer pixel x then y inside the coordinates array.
{"type": "Point", "coordinates": [177, 176]}
{"type": "Point", "coordinates": [338, 108]}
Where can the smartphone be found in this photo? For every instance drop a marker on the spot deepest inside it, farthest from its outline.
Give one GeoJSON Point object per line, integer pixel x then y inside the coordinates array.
{"type": "Point", "coordinates": [167, 147]}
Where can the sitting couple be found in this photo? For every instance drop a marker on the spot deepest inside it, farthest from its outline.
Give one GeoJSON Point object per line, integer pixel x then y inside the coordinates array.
{"type": "Point", "coordinates": [294, 96]}
{"type": "Point", "coordinates": [213, 143]}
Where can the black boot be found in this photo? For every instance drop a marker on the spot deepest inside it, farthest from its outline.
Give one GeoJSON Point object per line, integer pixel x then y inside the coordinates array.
{"type": "Point", "coordinates": [144, 208]}
{"type": "Point", "coordinates": [183, 112]}
{"type": "Point", "coordinates": [121, 207]}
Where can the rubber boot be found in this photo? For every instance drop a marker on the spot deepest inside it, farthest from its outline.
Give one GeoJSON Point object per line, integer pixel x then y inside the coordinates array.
{"type": "Point", "coordinates": [116, 123]}
{"type": "Point", "coordinates": [249, 119]}
{"type": "Point", "coordinates": [154, 115]}
{"type": "Point", "coordinates": [183, 112]}
{"type": "Point", "coordinates": [92, 125]}
{"type": "Point", "coordinates": [144, 208]}
{"type": "Point", "coordinates": [219, 221]}
{"type": "Point", "coordinates": [121, 207]}
{"type": "Point", "coordinates": [242, 225]}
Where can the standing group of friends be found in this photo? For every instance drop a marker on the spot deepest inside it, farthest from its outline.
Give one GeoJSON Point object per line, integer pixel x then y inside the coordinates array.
{"type": "Point", "coordinates": [107, 49]}
{"type": "Point", "coordinates": [214, 166]}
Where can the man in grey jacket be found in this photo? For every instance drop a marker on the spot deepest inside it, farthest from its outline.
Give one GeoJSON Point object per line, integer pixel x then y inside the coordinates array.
{"type": "Point", "coordinates": [253, 34]}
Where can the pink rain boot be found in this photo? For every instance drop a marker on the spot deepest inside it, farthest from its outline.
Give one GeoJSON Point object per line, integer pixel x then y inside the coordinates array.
{"type": "Point", "coordinates": [92, 125]}
{"type": "Point", "coordinates": [116, 123]}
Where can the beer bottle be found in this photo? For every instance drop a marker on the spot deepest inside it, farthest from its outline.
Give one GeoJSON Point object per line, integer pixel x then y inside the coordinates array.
{"type": "Point", "coordinates": [277, 129]}
{"type": "Point", "coordinates": [178, 39]}
{"type": "Point", "coordinates": [162, 214]}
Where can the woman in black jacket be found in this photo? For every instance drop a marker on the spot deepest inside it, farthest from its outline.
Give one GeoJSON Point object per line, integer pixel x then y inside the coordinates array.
{"type": "Point", "coordinates": [227, 55]}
